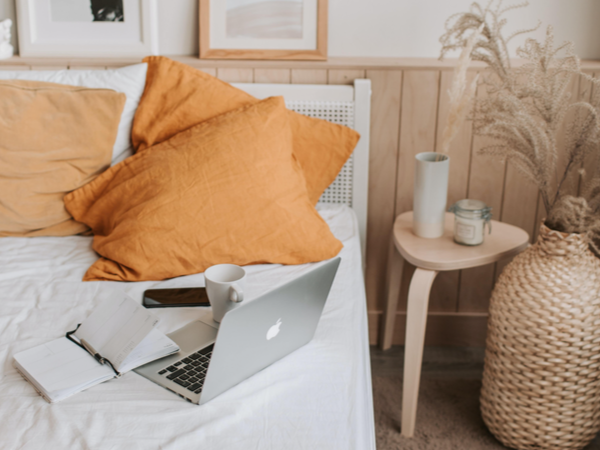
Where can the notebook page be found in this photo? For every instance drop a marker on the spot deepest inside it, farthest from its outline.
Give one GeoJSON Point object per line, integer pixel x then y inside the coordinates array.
{"type": "Point", "coordinates": [155, 345]}
{"type": "Point", "coordinates": [116, 327]}
{"type": "Point", "coordinates": [62, 368]}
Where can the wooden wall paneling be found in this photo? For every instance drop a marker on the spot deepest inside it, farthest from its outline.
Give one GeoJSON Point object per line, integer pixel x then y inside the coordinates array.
{"type": "Point", "coordinates": [443, 328]}
{"type": "Point", "coordinates": [309, 76]}
{"type": "Point", "coordinates": [386, 87]}
{"type": "Point", "coordinates": [460, 148]}
{"type": "Point", "coordinates": [446, 285]}
{"type": "Point", "coordinates": [520, 200]}
{"type": "Point", "coordinates": [591, 164]}
{"type": "Point", "coordinates": [235, 75]}
{"type": "Point", "coordinates": [76, 67]}
{"type": "Point", "coordinates": [65, 67]}
{"type": "Point", "coordinates": [572, 184]}
{"type": "Point", "coordinates": [14, 67]}
{"type": "Point", "coordinates": [209, 70]}
{"type": "Point", "coordinates": [418, 125]}
{"type": "Point", "coordinates": [519, 207]}
{"type": "Point", "coordinates": [282, 76]}
{"type": "Point", "coordinates": [486, 183]}
{"type": "Point", "coordinates": [417, 129]}
{"type": "Point", "coordinates": [337, 76]}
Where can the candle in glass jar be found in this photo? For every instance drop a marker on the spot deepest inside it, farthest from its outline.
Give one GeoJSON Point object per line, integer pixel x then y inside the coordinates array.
{"type": "Point", "coordinates": [470, 218]}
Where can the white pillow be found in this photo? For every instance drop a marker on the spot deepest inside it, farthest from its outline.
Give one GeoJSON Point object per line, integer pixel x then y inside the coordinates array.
{"type": "Point", "coordinates": [129, 80]}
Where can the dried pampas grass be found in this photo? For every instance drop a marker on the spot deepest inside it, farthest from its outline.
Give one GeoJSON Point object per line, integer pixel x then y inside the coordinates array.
{"type": "Point", "coordinates": [528, 106]}
{"type": "Point", "coordinates": [460, 94]}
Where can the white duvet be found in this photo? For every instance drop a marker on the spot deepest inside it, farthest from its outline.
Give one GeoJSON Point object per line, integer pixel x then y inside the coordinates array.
{"type": "Point", "coordinates": [318, 397]}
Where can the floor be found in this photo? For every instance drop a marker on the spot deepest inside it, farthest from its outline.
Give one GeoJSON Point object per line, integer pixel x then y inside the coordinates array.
{"type": "Point", "coordinates": [448, 416]}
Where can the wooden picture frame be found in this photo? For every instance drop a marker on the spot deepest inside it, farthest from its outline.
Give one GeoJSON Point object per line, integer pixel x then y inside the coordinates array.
{"type": "Point", "coordinates": [216, 44]}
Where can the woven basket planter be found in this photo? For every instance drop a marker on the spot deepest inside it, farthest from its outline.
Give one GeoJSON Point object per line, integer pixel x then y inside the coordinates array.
{"type": "Point", "coordinates": [541, 382]}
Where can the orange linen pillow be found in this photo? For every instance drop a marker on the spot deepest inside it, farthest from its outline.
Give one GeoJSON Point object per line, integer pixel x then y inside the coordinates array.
{"type": "Point", "coordinates": [53, 139]}
{"type": "Point", "coordinates": [225, 191]}
{"type": "Point", "coordinates": [178, 97]}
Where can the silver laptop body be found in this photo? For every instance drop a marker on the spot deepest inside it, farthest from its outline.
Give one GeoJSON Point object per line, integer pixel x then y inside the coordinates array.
{"type": "Point", "coordinates": [251, 337]}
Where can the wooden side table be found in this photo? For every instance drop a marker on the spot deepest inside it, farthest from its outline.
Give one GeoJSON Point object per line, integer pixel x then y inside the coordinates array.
{"type": "Point", "coordinates": [431, 256]}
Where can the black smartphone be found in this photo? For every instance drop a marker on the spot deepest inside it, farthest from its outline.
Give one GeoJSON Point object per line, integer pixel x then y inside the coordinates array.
{"type": "Point", "coordinates": [177, 297]}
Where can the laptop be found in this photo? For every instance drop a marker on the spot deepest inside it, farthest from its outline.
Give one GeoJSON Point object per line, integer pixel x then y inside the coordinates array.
{"type": "Point", "coordinates": [250, 337]}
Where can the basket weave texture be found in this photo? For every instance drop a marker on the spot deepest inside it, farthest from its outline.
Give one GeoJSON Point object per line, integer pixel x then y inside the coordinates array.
{"type": "Point", "coordinates": [541, 382]}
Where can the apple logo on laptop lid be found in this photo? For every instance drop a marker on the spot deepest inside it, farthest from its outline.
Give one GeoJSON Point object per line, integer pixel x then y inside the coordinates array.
{"type": "Point", "coordinates": [274, 330]}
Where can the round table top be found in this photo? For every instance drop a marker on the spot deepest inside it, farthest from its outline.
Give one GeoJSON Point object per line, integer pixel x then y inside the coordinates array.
{"type": "Point", "coordinates": [443, 253]}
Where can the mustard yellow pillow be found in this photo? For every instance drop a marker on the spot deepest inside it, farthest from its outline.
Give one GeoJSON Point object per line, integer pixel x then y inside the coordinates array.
{"type": "Point", "coordinates": [177, 97]}
{"type": "Point", "coordinates": [53, 139]}
{"type": "Point", "coordinates": [225, 191]}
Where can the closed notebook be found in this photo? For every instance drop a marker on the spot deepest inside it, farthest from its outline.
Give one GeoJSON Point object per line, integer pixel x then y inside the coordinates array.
{"type": "Point", "coordinates": [120, 330]}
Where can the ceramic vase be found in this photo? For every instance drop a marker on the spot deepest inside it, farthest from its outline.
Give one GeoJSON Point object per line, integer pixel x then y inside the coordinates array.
{"type": "Point", "coordinates": [430, 194]}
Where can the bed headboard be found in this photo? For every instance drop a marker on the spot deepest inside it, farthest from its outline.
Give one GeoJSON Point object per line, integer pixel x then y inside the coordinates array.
{"type": "Point", "coordinates": [346, 105]}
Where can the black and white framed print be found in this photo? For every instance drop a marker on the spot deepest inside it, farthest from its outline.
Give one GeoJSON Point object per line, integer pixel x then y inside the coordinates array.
{"type": "Point", "coordinates": [87, 28]}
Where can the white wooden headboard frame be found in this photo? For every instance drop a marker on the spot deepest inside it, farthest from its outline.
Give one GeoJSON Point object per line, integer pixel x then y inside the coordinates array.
{"type": "Point", "coordinates": [346, 105]}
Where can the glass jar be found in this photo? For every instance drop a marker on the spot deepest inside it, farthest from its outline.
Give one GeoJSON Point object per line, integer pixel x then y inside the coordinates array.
{"type": "Point", "coordinates": [470, 219]}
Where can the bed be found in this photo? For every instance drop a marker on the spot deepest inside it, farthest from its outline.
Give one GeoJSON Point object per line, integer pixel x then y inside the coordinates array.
{"type": "Point", "coordinates": [318, 397]}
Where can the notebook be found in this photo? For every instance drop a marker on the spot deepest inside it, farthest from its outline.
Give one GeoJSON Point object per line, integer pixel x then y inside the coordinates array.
{"type": "Point", "coordinates": [118, 336]}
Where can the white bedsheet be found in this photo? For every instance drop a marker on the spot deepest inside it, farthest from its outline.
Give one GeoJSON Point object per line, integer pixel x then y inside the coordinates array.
{"type": "Point", "coordinates": [319, 397]}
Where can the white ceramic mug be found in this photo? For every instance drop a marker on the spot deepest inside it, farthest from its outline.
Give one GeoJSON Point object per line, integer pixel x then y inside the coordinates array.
{"type": "Point", "coordinates": [225, 285]}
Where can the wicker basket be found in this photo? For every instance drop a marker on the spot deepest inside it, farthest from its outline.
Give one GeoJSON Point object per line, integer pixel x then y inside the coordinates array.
{"type": "Point", "coordinates": [541, 383]}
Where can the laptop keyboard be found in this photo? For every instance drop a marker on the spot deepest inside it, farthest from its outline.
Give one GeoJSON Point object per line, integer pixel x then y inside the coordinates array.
{"type": "Point", "coordinates": [190, 372]}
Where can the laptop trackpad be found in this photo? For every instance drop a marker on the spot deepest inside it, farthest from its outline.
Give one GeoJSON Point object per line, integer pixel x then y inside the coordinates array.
{"type": "Point", "coordinates": [193, 336]}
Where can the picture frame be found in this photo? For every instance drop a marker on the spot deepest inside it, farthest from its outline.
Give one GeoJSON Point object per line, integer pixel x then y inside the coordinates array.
{"type": "Point", "coordinates": [72, 28]}
{"type": "Point", "coordinates": [263, 29]}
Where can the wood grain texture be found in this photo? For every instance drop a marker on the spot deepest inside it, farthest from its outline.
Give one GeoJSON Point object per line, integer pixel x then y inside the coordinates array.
{"type": "Point", "coordinates": [443, 253]}
{"type": "Point", "coordinates": [232, 75]}
{"type": "Point", "coordinates": [309, 76]}
{"type": "Point", "coordinates": [337, 76]}
{"type": "Point", "coordinates": [76, 67]}
{"type": "Point", "coordinates": [386, 87]}
{"type": "Point", "coordinates": [41, 67]}
{"type": "Point", "coordinates": [272, 76]}
{"type": "Point", "coordinates": [14, 67]}
{"type": "Point", "coordinates": [417, 129]}
{"type": "Point", "coordinates": [591, 164]}
{"type": "Point", "coordinates": [209, 70]}
{"type": "Point", "coordinates": [475, 288]}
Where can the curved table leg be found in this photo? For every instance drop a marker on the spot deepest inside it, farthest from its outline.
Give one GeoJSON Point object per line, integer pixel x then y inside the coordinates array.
{"type": "Point", "coordinates": [416, 320]}
{"type": "Point", "coordinates": [394, 279]}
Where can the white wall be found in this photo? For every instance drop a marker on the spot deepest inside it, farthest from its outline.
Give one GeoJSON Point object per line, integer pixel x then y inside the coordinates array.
{"type": "Point", "coordinates": [391, 28]}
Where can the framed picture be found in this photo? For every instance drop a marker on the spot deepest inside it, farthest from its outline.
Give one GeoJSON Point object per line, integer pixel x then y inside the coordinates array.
{"type": "Point", "coordinates": [263, 29]}
{"type": "Point", "coordinates": [87, 28]}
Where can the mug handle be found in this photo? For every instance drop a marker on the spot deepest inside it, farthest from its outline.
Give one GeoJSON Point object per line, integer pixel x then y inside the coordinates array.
{"type": "Point", "coordinates": [236, 295]}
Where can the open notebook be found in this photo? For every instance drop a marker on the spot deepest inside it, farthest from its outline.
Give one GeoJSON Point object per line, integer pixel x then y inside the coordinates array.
{"type": "Point", "coordinates": [119, 331]}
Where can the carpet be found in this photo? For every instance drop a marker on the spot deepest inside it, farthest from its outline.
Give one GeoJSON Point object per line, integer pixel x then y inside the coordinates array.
{"type": "Point", "coordinates": [448, 416]}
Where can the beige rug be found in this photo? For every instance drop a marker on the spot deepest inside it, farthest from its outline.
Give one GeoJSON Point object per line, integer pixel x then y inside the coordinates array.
{"type": "Point", "coordinates": [447, 418]}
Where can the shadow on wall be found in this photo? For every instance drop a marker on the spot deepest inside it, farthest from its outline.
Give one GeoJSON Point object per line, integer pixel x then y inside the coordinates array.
{"type": "Point", "coordinates": [591, 24]}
